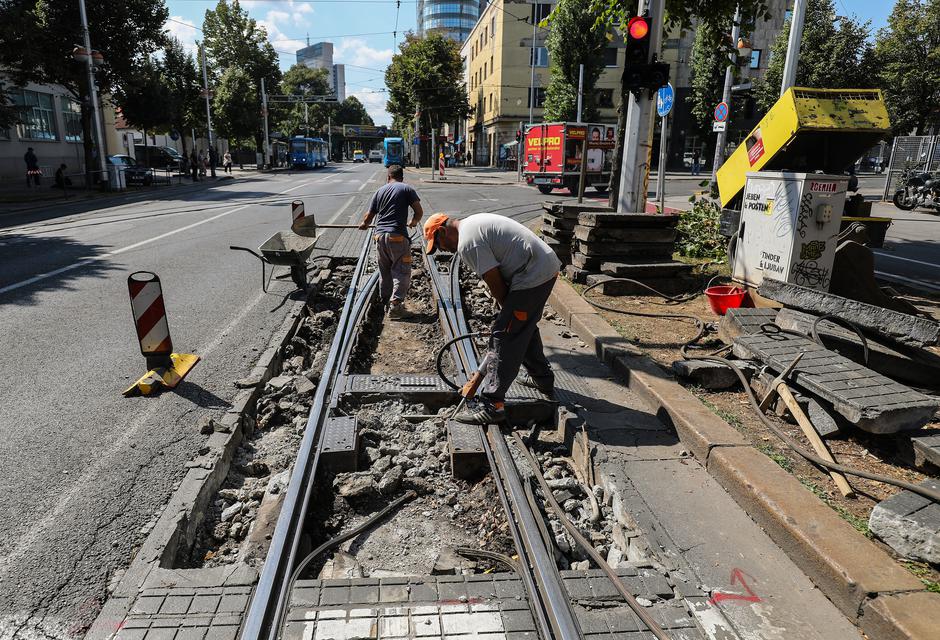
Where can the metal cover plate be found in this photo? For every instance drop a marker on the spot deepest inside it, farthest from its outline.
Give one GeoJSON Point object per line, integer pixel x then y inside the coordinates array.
{"type": "Point", "coordinates": [403, 383]}
{"type": "Point", "coordinates": [340, 434]}
{"type": "Point", "coordinates": [464, 438]}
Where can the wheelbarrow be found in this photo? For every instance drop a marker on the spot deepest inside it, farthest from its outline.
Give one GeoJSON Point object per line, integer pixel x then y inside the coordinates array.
{"type": "Point", "coordinates": [284, 248]}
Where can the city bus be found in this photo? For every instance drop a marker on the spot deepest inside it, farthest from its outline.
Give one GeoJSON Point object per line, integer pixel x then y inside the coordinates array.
{"type": "Point", "coordinates": [308, 153]}
{"type": "Point", "coordinates": [394, 151]}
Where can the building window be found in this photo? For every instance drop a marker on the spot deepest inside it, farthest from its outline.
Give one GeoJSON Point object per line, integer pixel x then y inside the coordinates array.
{"type": "Point", "coordinates": [539, 97]}
{"type": "Point", "coordinates": [71, 120]}
{"type": "Point", "coordinates": [540, 11]}
{"type": "Point", "coordinates": [485, 31]}
{"type": "Point", "coordinates": [538, 57]}
{"type": "Point", "coordinates": [610, 57]}
{"type": "Point", "coordinates": [491, 65]}
{"type": "Point", "coordinates": [605, 98]}
{"type": "Point", "coordinates": [491, 102]}
{"type": "Point", "coordinates": [493, 26]}
{"type": "Point", "coordinates": [755, 58]}
{"type": "Point", "coordinates": [38, 115]}
{"type": "Point", "coordinates": [484, 71]}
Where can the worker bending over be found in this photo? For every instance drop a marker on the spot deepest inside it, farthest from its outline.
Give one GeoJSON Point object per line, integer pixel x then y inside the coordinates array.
{"type": "Point", "coordinates": [392, 244]}
{"type": "Point", "coordinates": [520, 271]}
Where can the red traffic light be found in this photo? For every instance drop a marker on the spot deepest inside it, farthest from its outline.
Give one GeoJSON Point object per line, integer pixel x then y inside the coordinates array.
{"type": "Point", "coordinates": [638, 28]}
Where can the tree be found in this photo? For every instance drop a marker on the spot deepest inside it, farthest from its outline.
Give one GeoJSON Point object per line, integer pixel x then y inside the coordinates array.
{"type": "Point", "coordinates": [426, 76]}
{"type": "Point", "coordinates": [234, 106]}
{"type": "Point", "coordinates": [907, 54]}
{"type": "Point", "coordinates": [37, 36]}
{"type": "Point", "coordinates": [707, 66]}
{"type": "Point", "coordinates": [834, 54]}
{"type": "Point", "coordinates": [352, 111]}
{"type": "Point", "coordinates": [234, 40]}
{"type": "Point", "coordinates": [181, 76]}
{"type": "Point", "coordinates": [145, 100]}
{"type": "Point", "coordinates": [301, 80]}
{"type": "Point", "coordinates": [575, 39]}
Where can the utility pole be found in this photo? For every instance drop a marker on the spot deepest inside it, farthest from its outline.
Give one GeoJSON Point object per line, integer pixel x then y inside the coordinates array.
{"type": "Point", "coordinates": [205, 89]}
{"type": "Point", "coordinates": [793, 45]}
{"type": "Point", "coordinates": [638, 133]}
{"type": "Point", "coordinates": [726, 94]}
{"type": "Point", "coordinates": [93, 94]}
{"type": "Point", "coordinates": [264, 111]}
{"type": "Point", "coordinates": [417, 145]}
{"type": "Point", "coordinates": [580, 89]}
{"type": "Point", "coordinates": [306, 121]}
{"type": "Point", "coordinates": [329, 136]}
{"type": "Point", "coordinates": [532, 63]}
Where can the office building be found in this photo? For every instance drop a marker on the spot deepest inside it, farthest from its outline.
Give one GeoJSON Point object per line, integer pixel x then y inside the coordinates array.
{"type": "Point", "coordinates": [453, 19]}
{"type": "Point", "coordinates": [320, 56]}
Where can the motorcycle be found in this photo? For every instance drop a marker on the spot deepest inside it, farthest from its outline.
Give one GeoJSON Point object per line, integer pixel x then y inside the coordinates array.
{"type": "Point", "coordinates": [918, 189]}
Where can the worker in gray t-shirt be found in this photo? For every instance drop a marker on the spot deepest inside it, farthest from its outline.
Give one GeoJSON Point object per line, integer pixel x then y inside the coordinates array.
{"type": "Point", "coordinates": [520, 271]}
{"type": "Point", "coordinates": [389, 206]}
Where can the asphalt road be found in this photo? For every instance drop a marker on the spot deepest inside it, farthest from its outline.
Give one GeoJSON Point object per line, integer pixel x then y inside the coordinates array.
{"type": "Point", "coordinates": [84, 469]}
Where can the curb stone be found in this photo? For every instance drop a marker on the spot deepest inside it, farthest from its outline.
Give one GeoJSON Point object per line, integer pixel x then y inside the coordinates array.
{"type": "Point", "coordinates": [177, 526]}
{"type": "Point", "coordinates": [861, 579]}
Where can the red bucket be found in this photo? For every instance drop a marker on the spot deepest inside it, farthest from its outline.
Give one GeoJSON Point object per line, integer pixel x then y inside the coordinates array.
{"type": "Point", "coordinates": [724, 297]}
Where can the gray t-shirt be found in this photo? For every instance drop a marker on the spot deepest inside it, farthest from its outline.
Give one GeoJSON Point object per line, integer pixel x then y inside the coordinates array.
{"type": "Point", "coordinates": [489, 240]}
{"type": "Point", "coordinates": [390, 206]}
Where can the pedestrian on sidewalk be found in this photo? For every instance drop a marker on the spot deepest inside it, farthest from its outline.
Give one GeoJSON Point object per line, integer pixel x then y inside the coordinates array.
{"type": "Point", "coordinates": [32, 167]}
{"type": "Point", "coordinates": [520, 270]}
{"type": "Point", "coordinates": [61, 180]}
{"type": "Point", "coordinates": [696, 162]}
{"type": "Point", "coordinates": [213, 160]}
{"type": "Point", "coordinates": [227, 162]}
{"type": "Point", "coordinates": [389, 207]}
{"type": "Point", "coordinates": [194, 164]}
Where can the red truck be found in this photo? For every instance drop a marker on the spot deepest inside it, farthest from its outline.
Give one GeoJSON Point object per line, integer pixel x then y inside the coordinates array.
{"type": "Point", "coordinates": [553, 155]}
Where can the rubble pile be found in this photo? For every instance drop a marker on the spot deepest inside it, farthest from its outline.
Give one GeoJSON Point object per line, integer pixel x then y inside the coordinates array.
{"type": "Point", "coordinates": [398, 455]}
{"type": "Point", "coordinates": [261, 467]}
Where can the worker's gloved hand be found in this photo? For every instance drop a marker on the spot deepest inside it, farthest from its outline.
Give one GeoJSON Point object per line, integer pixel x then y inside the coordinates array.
{"type": "Point", "coordinates": [363, 226]}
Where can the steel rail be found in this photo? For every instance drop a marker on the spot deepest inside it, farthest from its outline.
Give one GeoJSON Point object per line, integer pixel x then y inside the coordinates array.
{"type": "Point", "coordinates": [550, 600]}
{"type": "Point", "coordinates": [270, 594]}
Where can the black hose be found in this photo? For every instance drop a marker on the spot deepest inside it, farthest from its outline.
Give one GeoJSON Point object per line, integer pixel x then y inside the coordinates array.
{"type": "Point", "coordinates": [847, 324]}
{"type": "Point", "coordinates": [440, 355]}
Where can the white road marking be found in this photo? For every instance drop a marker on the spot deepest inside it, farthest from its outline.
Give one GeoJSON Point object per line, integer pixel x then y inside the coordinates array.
{"type": "Point", "coordinates": [893, 257]}
{"type": "Point", "coordinates": [340, 211]}
{"type": "Point", "coordinates": [136, 245]}
{"type": "Point", "coordinates": [920, 283]}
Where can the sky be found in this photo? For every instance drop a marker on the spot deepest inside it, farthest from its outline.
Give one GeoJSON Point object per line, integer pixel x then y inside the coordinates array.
{"type": "Point", "coordinates": [362, 32]}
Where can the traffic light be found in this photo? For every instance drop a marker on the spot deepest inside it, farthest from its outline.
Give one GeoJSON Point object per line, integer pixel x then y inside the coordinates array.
{"type": "Point", "coordinates": [639, 71]}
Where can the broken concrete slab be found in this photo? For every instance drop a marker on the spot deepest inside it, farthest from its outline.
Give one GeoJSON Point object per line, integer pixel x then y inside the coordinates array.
{"type": "Point", "coordinates": [926, 448]}
{"type": "Point", "coordinates": [628, 234]}
{"type": "Point", "coordinates": [705, 374]}
{"type": "Point", "coordinates": [910, 524]}
{"type": "Point", "coordinates": [607, 218]}
{"type": "Point", "coordinates": [743, 321]}
{"type": "Point", "coordinates": [624, 249]}
{"type": "Point", "coordinates": [449, 562]}
{"type": "Point", "coordinates": [646, 269]}
{"type": "Point", "coordinates": [865, 398]}
{"type": "Point", "coordinates": [903, 328]}
{"type": "Point", "coordinates": [912, 365]}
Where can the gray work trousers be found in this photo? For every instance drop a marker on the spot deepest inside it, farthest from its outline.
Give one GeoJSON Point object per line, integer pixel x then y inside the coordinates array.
{"type": "Point", "coordinates": [516, 339]}
{"type": "Point", "coordinates": [394, 252]}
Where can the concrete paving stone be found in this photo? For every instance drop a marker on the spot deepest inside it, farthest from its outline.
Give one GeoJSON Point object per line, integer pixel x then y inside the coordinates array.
{"type": "Point", "coordinates": [626, 572]}
{"type": "Point", "coordinates": [175, 604]}
{"type": "Point", "coordinates": [603, 588]}
{"type": "Point", "coordinates": [387, 593]}
{"type": "Point", "coordinates": [182, 591]}
{"type": "Point", "coordinates": [656, 584]}
{"type": "Point", "coordinates": [482, 577]}
{"type": "Point", "coordinates": [592, 621]}
{"type": "Point", "coordinates": [622, 620]}
{"type": "Point", "coordinates": [515, 603]}
{"type": "Point", "coordinates": [305, 597]}
{"type": "Point", "coordinates": [334, 595]}
{"type": "Point", "coordinates": [481, 589]}
{"type": "Point", "coordinates": [191, 633]}
{"type": "Point", "coordinates": [295, 630]}
{"type": "Point", "coordinates": [518, 621]}
{"type": "Point", "coordinates": [227, 632]}
{"type": "Point", "coordinates": [672, 615]}
{"type": "Point", "coordinates": [426, 626]}
{"type": "Point", "coordinates": [166, 623]}
{"type": "Point", "coordinates": [391, 580]}
{"type": "Point", "coordinates": [452, 590]}
{"type": "Point", "coordinates": [160, 634]}
{"type": "Point", "coordinates": [393, 626]}
{"type": "Point", "coordinates": [147, 605]}
{"type": "Point", "coordinates": [142, 622]}
{"type": "Point", "coordinates": [205, 604]}
{"type": "Point", "coordinates": [363, 594]}
{"type": "Point", "coordinates": [301, 584]}
{"type": "Point", "coordinates": [578, 588]}
{"type": "Point", "coordinates": [522, 635]}
{"type": "Point", "coordinates": [363, 582]}
{"type": "Point", "coordinates": [422, 592]}
{"type": "Point", "coordinates": [131, 634]}
{"type": "Point", "coordinates": [234, 602]}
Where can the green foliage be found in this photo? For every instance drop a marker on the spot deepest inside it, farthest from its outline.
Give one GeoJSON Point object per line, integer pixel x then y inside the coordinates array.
{"type": "Point", "coordinates": [698, 235]}
{"type": "Point", "coordinates": [682, 13]}
{"type": "Point", "coordinates": [183, 80]}
{"type": "Point", "coordinates": [923, 573]}
{"type": "Point", "coordinates": [234, 41]}
{"type": "Point", "coordinates": [707, 66]}
{"type": "Point", "coordinates": [907, 52]}
{"type": "Point", "coordinates": [301, 80]}
{"type": "Point", "coordinates": [352, 111]}
{"type": "Point", "coordinates": [145, 99]}
{"type": "Point", "coordinates": [834, 54]}
{"type": "Point", "coordinates": [426, 75]}
{"type": "Point", "coordinates": [9, 112]}
{"type": "Point", "coordinates": [575, 38]}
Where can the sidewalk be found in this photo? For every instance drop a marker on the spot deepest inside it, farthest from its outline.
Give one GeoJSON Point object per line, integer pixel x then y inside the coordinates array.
{"type": "Point", "coordinates": [468, 175]}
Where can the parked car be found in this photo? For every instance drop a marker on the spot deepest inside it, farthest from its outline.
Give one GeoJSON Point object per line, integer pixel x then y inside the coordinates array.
{"type": "Point", "coordinates": [158, 157]}
{"type": "Point", "coordinates": [375, 156]}
{"type": "Point", "coordinates": [359, 156]}
{"type": "Point", "coordinates": [134, 173]}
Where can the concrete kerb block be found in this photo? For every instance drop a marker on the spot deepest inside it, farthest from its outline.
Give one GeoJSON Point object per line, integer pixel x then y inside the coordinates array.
{"type": "Point", "coordinates": [566, 301]}
{"type": "Point", "coordinates": [903, 616]}
{"type": "Point", "coordinates": [847, 567]}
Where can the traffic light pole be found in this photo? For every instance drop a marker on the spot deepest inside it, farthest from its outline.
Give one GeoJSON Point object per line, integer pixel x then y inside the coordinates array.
{"type": "Point", "coordinates": [638, 133]}
{"type": "Point", "coordinates": [722, 139]}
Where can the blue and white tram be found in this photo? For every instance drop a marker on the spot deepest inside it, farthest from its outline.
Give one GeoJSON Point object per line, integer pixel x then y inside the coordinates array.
{"type": "Point", "coordinates": [308, 153]}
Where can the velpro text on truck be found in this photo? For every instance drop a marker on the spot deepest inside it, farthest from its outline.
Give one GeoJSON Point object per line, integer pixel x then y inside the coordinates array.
{"type": "Point", "coordinates": [553, 155]}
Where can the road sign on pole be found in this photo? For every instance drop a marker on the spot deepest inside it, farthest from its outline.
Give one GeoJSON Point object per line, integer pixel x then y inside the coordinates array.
{"type": "Point", "coordinates": [721, 112]}
{"type": "Point", "coordinates": [719, 126]}
{"type": "Point", "coordinates": [665, 98]}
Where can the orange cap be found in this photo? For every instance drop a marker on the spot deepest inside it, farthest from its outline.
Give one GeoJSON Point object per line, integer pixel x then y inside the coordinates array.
{"type": "Point", "coordinates": [434, 224]}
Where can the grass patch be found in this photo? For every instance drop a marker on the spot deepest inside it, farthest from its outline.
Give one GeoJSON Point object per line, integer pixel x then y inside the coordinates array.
{"type": "Point", "coordinates": [728, 417]}
{"type": "Point", "coordinates": [923, 573]}
{"type": "Point", "coordinates": [785, 463]}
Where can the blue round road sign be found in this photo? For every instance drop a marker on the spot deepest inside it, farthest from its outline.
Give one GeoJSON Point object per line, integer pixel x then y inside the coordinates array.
{"type": "Point", "coordinates": [665, 97]}
{"type": "Point", "coordinates": [721, 112]}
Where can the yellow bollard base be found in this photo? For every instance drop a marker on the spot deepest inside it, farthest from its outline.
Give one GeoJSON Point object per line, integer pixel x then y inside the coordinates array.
{"type": "Point", "coordinates": [163, 377]}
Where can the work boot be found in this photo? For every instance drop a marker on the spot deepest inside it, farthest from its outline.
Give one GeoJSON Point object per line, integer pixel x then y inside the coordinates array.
{"type": "Point", "coordinates": [528, 381]}
{"type": "Point", "coordinates": [482, 412]}
{"type": "Point", "coordinates": [399, 311]}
